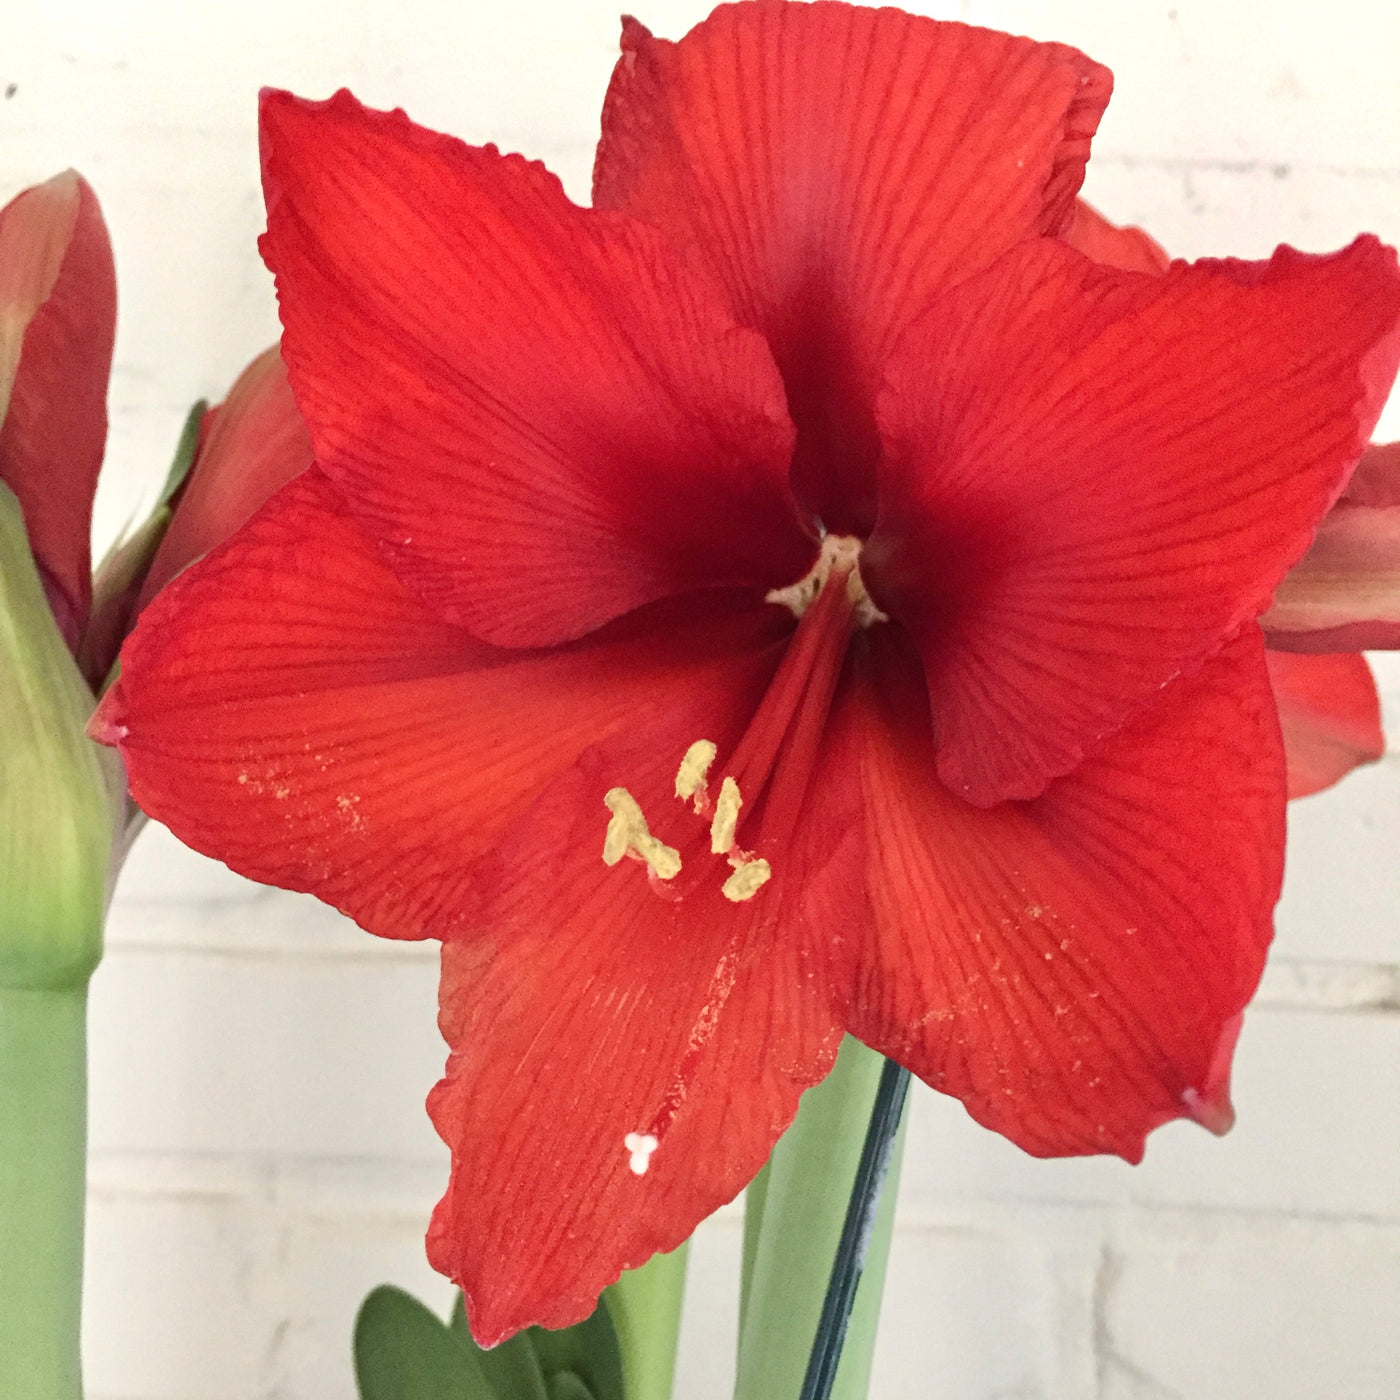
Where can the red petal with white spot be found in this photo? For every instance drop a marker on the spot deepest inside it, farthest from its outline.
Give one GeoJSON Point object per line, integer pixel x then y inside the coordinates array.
{"type": "Point", "coordinates": [1095, 477]}
{"type": "Point", "coordinates": [833, 167]}
{"type": "Point", "coordinates": [587, 1003]}
{"type": "Point", "coordinates": [288, 706]}
{"type": "Point", "coordinates": [1330, 715]}
{"type": "Point", "coordinates": [1072, 968]}
{"type": "Point", "coordinates": [541, 415]}
{"type": "Point", "coordinates": [1344, 595]}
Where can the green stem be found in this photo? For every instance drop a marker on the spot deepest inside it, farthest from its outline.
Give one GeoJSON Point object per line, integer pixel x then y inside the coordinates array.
{"type": "Point", "coordinates": [754, 1199]}
{"type": "Point", "coordinates": [848, 1268]}
{"type": "Point", "coordinates": [645, 1305]}
{"type": "Point", "coordinates": [790, 1246]}
{"type": "Point", "coordinates": [43, 1140]}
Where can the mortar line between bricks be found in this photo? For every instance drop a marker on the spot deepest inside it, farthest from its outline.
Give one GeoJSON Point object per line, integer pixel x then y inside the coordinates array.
{"type": "Point", "coordinates": [291, 1170]}
{"type": "Point", "coordinates": [1280, 169]}
{"type": "Point", "coordinates": [409, 954]}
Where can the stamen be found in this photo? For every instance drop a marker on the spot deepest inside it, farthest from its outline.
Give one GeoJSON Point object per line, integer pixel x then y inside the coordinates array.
{"type": "Point", "coordinates": [690, 780]}
{"type": "Point", "coordinates": [726, 818]}
{"type": "Point", "coordinates": [748, 878]}
{"type": "Point", "coordinates": [641, 1146]}
{"type": "Point", "coordinates": [628, 834]}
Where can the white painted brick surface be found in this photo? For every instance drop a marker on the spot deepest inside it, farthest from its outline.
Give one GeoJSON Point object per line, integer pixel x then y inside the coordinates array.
{"type": "Point", "coordinates": [260, 1154]}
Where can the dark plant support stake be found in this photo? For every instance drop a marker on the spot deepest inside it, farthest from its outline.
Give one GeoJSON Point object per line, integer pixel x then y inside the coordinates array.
{"type": "Point", "coordinates": [849, 1263]}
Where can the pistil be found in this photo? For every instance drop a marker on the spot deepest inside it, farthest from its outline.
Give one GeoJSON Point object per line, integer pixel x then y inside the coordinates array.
{"type": "Point", "coordinates": [777, 755]}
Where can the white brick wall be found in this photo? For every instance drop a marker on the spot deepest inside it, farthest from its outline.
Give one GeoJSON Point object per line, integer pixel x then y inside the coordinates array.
{"type": "Point", "coordinates": [260, 1155]}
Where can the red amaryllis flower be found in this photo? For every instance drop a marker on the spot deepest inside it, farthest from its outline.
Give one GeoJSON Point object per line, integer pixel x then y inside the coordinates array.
{"type": "Point", "coordinates": [249, 445]}
{"type": "Point", "coordinates": [58, 308]}
{"type": "Point", "coordinates": [799, 595]}
{"type": "Point", "coordinates": [58, 302]}
{"type": "Point", "coordinates": [246, 448]}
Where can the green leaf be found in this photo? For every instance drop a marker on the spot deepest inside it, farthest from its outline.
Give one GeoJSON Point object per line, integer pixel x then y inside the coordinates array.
{"type": "Point", "coordinates": [523, 1367]}
{"type": "Point", "coordinates": [403, 1351]}
{"type": "Point", "coordinates": [565, 1385]}
{"type": "Point", "coordinates": [458, 1321]}
{"type": "Point", "coordinates": [626, 1350]}
{"type": "Point", "coordinates": [513, 1368]}
{"type": "Point", "coordinates": [589, 1350]}
{"type": "Point", "coordinates": [185, 449]}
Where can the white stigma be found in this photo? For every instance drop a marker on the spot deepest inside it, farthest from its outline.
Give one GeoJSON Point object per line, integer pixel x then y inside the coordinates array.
{"type": "Point", "coordinates": [628, 834]}
{"type": "Point", "coordinates": [641, 1146]}
{"type": "Point", "coordinates": [842, 554]}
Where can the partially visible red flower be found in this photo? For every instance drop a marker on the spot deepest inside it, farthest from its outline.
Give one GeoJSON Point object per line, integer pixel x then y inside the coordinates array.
{"type": "Point", "coordinates": [58, 307]}
{"type": "Point", "coordinates": [247, 447]}
{"type": "Point", "coordinates": [1330, 715]}
{"type": "Point", "coordinates": [1342, 596]}
{"type": "Point", "coordinates": [1114, 245]}
{"type": "Point", "coordinates": [250, 446]}
{"type": "Point", "coordinates": [800, 595]}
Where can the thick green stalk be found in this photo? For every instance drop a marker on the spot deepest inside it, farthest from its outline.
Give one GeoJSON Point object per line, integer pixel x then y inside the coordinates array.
{"type": "Point", "coordinates": [645, 1306]}
{"type": "Point", "coordinates": [60, 809]}
{"type": "Point", "coordinates": [789, 1247]}
{"type": "Point", "coordinates": [43, 1142]}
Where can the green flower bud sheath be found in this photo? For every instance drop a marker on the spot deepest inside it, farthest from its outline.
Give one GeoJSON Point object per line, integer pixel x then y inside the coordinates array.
{"type": "Point", "coordinates": [59, 810]}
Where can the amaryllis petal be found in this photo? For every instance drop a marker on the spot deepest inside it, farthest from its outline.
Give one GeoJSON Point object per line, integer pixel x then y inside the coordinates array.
{"type": "Point", "coordinates": [601, 1021]}
{"type": "Point", "coordinates": [58, 307]}
{"type": "Point", "coordinates": [289, 706]}
{"type": "Point", "coordinates": [1072, 967]}
{"type": "Point", "coordinates": [1330, 715]}
{"type": "Point", "coordinates": [251, 445]}
{"type": "Point", "coordinates": [833, 166]}
{"type": "Point", "coordinates": [1095, 477]}
{"type": "Point", "coordinates": [1344, 594]}
{"type": "Point", "coordinates": [541, 415]}
{"type": "Point", "coordinates": [1114, 245]}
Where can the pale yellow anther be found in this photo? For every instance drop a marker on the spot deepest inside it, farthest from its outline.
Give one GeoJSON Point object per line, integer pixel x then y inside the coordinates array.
{"type": "Point", "coordinates": [726, 817]}
{"type": "Point", "coordinates": [694, 766]}
{"type": "Point", "coordinates": [747, 880]}
{"type": "Point", "coordinates": [628, 834]}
